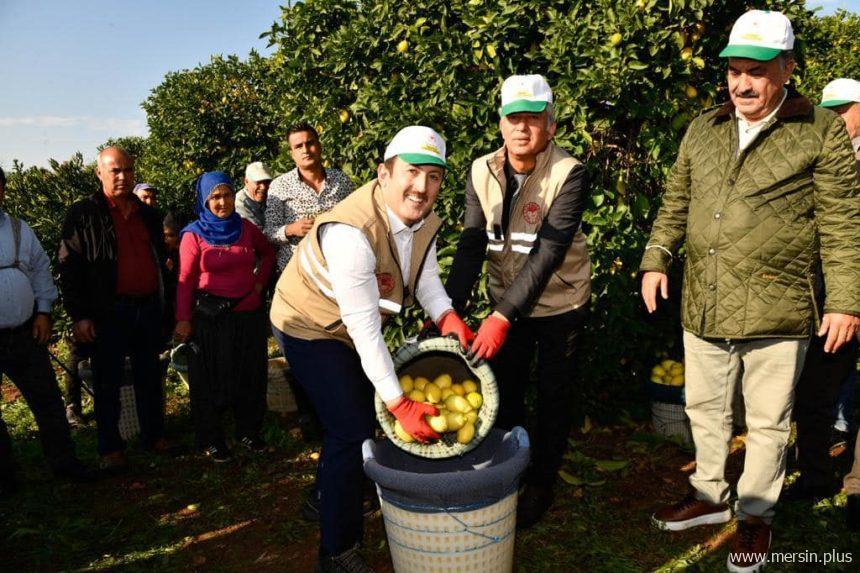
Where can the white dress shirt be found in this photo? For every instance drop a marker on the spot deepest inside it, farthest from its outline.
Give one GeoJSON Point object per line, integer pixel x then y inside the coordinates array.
{"type": "Point", "coordinates": [351, 266]}
{"type": "Point", "coordinates": [747, 132]}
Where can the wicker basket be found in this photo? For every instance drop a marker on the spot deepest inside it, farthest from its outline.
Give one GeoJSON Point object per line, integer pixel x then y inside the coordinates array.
{"type": "Point", "coordinates": [129, 425]}
{"type": "Point", "coordinates": [430, 358]}
{"type": "Point", "coordinates": [671, 420]}
{"type": "Point", "coordinates": [475, 541]}
{"type": "Point", "coordinates": [279, 396]}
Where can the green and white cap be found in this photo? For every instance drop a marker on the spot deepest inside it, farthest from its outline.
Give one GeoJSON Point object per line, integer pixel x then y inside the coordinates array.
{"type": "Point", "coordinates": [839, 92]}
{"type": "Point", "coordinates": [417, 145]}
{"type": "Point", "coordinates": [759, 35]}
{"type": "Point", "coordinates": [525, 94]}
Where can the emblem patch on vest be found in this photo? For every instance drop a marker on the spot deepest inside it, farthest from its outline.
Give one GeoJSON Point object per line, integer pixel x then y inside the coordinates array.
{"type": "Point", "coordinates": [531, 213]}
{"type": "Point", "coordinates": [385, 282]}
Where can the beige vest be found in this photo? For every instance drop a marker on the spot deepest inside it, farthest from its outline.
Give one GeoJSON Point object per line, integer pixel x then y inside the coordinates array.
{"type": "Point", "coordinates": [569, 286]}
{"type": "Point", "coordinates": [304, 305]}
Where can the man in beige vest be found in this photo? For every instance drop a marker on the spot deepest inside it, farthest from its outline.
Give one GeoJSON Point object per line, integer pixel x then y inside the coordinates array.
{"type": "Point", "coordinates": [362, 263]}
{"type": "Point", "coordinates": [524, 205]}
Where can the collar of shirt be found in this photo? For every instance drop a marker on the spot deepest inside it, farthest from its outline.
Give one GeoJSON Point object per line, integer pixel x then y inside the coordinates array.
{"type": "Point", "coordinates": [745, 125]}
{"type": "Point", "coordinates": [114, 206]}
{"type": "Point", "coordinates": [856, 143]}
{"type": "Point", "coordinates": [398, 226]}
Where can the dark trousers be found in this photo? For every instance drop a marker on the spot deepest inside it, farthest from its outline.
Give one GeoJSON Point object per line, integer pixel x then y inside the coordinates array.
{"type": "Point", "coordinates": [815, 401]}
{"type": "Point", "coordinates": [77, 353]}
{"type": "Point", "coordinates": [555, 340]}
{"type": "Point", "coordinates": [27, 365]}
{"type": "Point", "coordinates": [228, 369]}
{"type": "Point", "coordinates": [331, 374]}
{"type": "Point", "coordinates": [133, 329]}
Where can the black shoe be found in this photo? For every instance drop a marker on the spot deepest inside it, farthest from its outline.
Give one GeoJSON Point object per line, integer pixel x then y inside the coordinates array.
{"type": "Point", "coordinates": [532, 504]}
{"type": "Point", "coordinates": [74, 416]}
{"type": "Point", "coordinates": [350, 561]}
{"type": "Point", "coordinates": [77, 472]}
{"type": "Point", "coordinates": [254, 445]}
{"type": "Point", "coordinates": [852, 512]}
{"type": "Point", "coordinates": [218, 453]}
{"type": "Point", "coordinates": [804, 491]}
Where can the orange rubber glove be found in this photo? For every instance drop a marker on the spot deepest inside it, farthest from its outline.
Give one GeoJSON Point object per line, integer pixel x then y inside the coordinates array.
{"type": "Point", "coordinates": [491, 336]}
{"type": "Point", "coordinates": [451, 323]}
{"type": "Point", "coordinates": [411, 414]}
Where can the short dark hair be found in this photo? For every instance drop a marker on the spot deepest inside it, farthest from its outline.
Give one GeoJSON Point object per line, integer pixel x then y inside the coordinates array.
{"type": "Point", "coordinates": [303, 126]}
{"type": "Point", "coordinates": [2, 177]}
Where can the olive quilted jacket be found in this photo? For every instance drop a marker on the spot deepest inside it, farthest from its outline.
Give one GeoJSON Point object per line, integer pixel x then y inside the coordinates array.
{"type": "Point", "coordinates": [755, 225]}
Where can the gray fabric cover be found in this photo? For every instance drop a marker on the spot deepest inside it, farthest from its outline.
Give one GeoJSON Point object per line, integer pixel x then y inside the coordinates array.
{"type": "Point", "coordinates": [479, 478]}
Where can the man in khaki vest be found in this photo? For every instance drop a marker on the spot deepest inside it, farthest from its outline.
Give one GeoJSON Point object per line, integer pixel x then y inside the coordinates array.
{"type": "Point", "coordinates": [524, 205]}
{"type": "Point", "coordinates": [361, 263]}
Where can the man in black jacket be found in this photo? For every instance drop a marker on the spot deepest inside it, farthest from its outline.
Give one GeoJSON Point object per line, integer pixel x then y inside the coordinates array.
{"type": "Point", "coordinates": [111, 266]}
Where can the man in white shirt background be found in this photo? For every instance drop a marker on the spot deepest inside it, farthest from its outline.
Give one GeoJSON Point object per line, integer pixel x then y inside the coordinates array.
{"type": "Point", "coordinates": [360, 264]}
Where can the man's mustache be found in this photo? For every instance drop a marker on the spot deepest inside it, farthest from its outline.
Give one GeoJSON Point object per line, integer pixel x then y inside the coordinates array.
{"type": "Point", "coordinates": [747, 94]}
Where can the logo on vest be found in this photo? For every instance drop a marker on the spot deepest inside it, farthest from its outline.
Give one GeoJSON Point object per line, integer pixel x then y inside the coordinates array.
{"type": "Point", "coordinates": [531, 213]}
{"type": "Point", "coordinates": [385, 282]}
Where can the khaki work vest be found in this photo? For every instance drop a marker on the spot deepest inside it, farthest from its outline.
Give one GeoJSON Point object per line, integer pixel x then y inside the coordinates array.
{"type": "Point", "coordinates": [569, 286]}
{"type": "Point", "coordinates": [304, 305]}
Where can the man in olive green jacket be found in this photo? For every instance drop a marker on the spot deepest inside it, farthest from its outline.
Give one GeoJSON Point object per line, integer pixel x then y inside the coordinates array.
{"type": "Point", "coordinates": [763, 188]}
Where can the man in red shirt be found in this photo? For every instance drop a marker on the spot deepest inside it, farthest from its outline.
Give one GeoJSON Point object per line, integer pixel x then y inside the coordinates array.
{"type": "Point", "coordinates": [111, 261]}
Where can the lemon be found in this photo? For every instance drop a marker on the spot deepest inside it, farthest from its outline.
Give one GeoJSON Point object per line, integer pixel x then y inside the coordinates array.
{"type": "Point", "coordinates": [677, 368]}
{"type": "Point", "coordinates": [420, 382]}
{"type": "Point", "coordinates": [469, 386]}
{"type": "Point", "coordinates": [401, 433]}
{"type": "Point", "coordinates": [447, 392]}
{"type": "Point", "coordinates": [658, 371]}
{"type": "Point", "coordinates": [615, 38]}
{"type": "Point", "coordinates": [417, 395]}
{"type": "Point", "coordinates": [455, 420]}
{"type": "Point", "coordinates": [466, 433]}
{"type": "Point", "coordinates": [432, 393]}
{"type": "Point", "coordinates": [667, 364]}
{"type": "Point", "coordinates": [474, 399]}
{"type": "Point", "coordinates": [471, 417]}
{"type": "Point", "coordinates": [402, 46]}
{"type": "Point", "coordinates": [458, 404]}
{"type": "Point", "coordinates": [438, 423]}
{"type": "Point", "coordinates": [344, 116]}
{"type": "Point", "coordinates": [691, 92]}
{"type": "Point", "coordinates": [657, 379]}
{"type": "Point", "coordinates": [443, 381]}
{"type": "Point", "coordinates": [407, 384]}
{"type": "Point", "coordinates": [458, 389]}
{"type": "Point", "coordinates": [676, 381]}
{"type": "Point", "coordinates": [686, 54]}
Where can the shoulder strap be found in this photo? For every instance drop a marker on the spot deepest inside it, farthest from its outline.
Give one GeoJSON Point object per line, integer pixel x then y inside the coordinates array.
{"type": "Point", "coordinates": [16, 239]}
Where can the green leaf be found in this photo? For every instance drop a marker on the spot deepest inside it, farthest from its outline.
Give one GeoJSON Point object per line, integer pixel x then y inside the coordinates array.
{"type": "Point", "coordinates": [570, 479]}
{"type": "Point", "coordinates": [611, 465]}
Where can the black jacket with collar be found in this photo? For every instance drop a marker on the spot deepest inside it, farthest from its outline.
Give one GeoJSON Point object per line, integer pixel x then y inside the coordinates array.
{"type": "Point", "coordinates": [88, 256]}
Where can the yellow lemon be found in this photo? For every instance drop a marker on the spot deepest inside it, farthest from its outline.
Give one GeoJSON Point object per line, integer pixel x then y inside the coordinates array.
{"type": "Point", "coordinates": [657, 379]}
{"type": "Point", "coordinates": [475, 399]}
{"type": "Point", "coordinates": [469, 386]}
{"type": "Point", "coordinates": [691, 92]}
{"type": "Point", "coordinates": [401, 433]}
{"type": "Point", "coordinates": [458, 404]}
{"type": "Point", "coordinates": [455, 421]}
{"type": "Point", "coordinates": [447, 392]}
{"type": "Point", "coordinates": [677, 380]}
{"type": "Point", "coordinates": [344, 116]}
{"type": "Point", "coordinates": [658, 371]}
{"type": "Point", "coordinates": [420, 382]}
{"type": "Point", "coordinates": [615, 38]}
{"type": "Point", "coordinates": [432, 392]}
{"type": "Point", "coordinates": [407, 384]}
{"type": "Point", "coordinates": [471, 417]}
{"type": "Point", "coordinates": [677, 368]}
{"type": "Point", "coordinates": [458, 389]}
{"type": "Point", "coordinates": [466, 433]}
{"type": "Point", "coordinates": [402, 46]}
{"type": "Point", "coordinates": [443, 381]}
{"type": "Point", "coordinates": [417, 395]}
{"type": "Point", "coordinates": [686, 54]}
{"type": "Point", "coordinates": [667, 364]}
{"type": "Point", "coordinates": [438, 423]}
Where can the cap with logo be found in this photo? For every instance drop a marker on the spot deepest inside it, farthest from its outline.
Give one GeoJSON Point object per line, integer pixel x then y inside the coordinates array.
{"type": "Point", "coordinates": [417, 145]}
{"type": "Point", "coordinates": [528, 94]}
{"type": "Point", "coordinates": [839, 92]}
{"type": "Point", "coordinates": [257, 171]}
{"type": "Point", "coordinates": [141, 187]}
{"type": "Point", "coordinates": [759, 35]}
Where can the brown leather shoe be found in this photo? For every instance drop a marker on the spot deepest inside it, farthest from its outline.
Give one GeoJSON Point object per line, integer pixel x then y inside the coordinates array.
{"type": "Point", "coordinates": [750, 546]}
{"type": "Point", "coordinates": [113, 463]}
{"type": "Point", "coordinates": [690, 512]}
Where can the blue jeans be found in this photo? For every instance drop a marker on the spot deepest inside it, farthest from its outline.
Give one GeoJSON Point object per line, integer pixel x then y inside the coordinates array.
{"type": "Point", "coordinates": [845, 402]}
{"type": "Point", "coordinates": [132, 329]}
{"type": "Point", "coordinates": [330, 372]}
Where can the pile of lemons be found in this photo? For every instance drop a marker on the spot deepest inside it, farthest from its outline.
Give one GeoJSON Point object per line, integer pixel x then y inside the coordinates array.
{"type": "Point", "coordinates": [458, 405]}
{"type": "Point", "coordinates": [668, 373]}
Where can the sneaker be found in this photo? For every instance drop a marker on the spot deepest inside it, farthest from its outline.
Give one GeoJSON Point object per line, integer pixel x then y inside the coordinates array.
{"type": "Point", "coordinates": [350, 561]}
{"type": "Point", "coordinates": [76, 471]}
{"type": "Point", "coordinates": [218, 453]}
{"type": "Point", "coordinates": [691, 512]}
{"type": "Point", "coordinates": [852, 512]}
{"type": "Point", "coordinates": [113, 463]}
{"type": "Point", "coordinates": [533, 502]}
{"type": "Point", "coordinates": [749, 547]}
{"type": "Point", "coordinates": [254, 445]}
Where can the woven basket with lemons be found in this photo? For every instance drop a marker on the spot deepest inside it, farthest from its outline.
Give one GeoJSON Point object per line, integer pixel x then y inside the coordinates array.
{"type": "Point", "coordinates": [435, 371]}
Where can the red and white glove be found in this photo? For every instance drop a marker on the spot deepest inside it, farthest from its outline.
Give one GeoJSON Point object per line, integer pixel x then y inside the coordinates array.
{"type": "Point", "coordinates": [451, 323]}
{"type": "Point", "coordinates": [411, 414]}
{"type": "Point", "coordinates": [491, 336]}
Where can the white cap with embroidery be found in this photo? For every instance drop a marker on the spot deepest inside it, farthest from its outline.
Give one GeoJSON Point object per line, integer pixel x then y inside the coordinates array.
{"type": "Point", "coordinates": [418, 145]}
{"type": "Point", "coordinates": [760, 35]}
{"type": "Point", "coordinates": [839, 92]}
{"type": "Point", "coordinates": [529, 94]}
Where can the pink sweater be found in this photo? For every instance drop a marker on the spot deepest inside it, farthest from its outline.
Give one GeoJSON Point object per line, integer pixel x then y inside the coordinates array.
{"type": "Point", "coordinates": [223, 271]}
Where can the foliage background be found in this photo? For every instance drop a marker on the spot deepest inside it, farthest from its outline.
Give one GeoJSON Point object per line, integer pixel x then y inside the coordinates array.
{"type": "Point", "coordinates": [627, 76]}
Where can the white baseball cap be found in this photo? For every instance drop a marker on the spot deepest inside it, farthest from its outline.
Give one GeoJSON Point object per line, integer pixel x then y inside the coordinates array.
{"type": "Point", "coordinates": [257, 171]}
{"type": "Point", "coordinates": [759, 35]}
{"type": "Point", "coordinates": [839, 92]}
{"type": "Point", "coordinates": [525, 94]}
{"type": "Point", "coordinates": [417, 145]}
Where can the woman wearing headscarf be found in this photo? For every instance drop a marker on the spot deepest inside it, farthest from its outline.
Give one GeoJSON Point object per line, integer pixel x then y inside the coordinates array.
{"type": "Point", "coordinates": [219, 309]}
